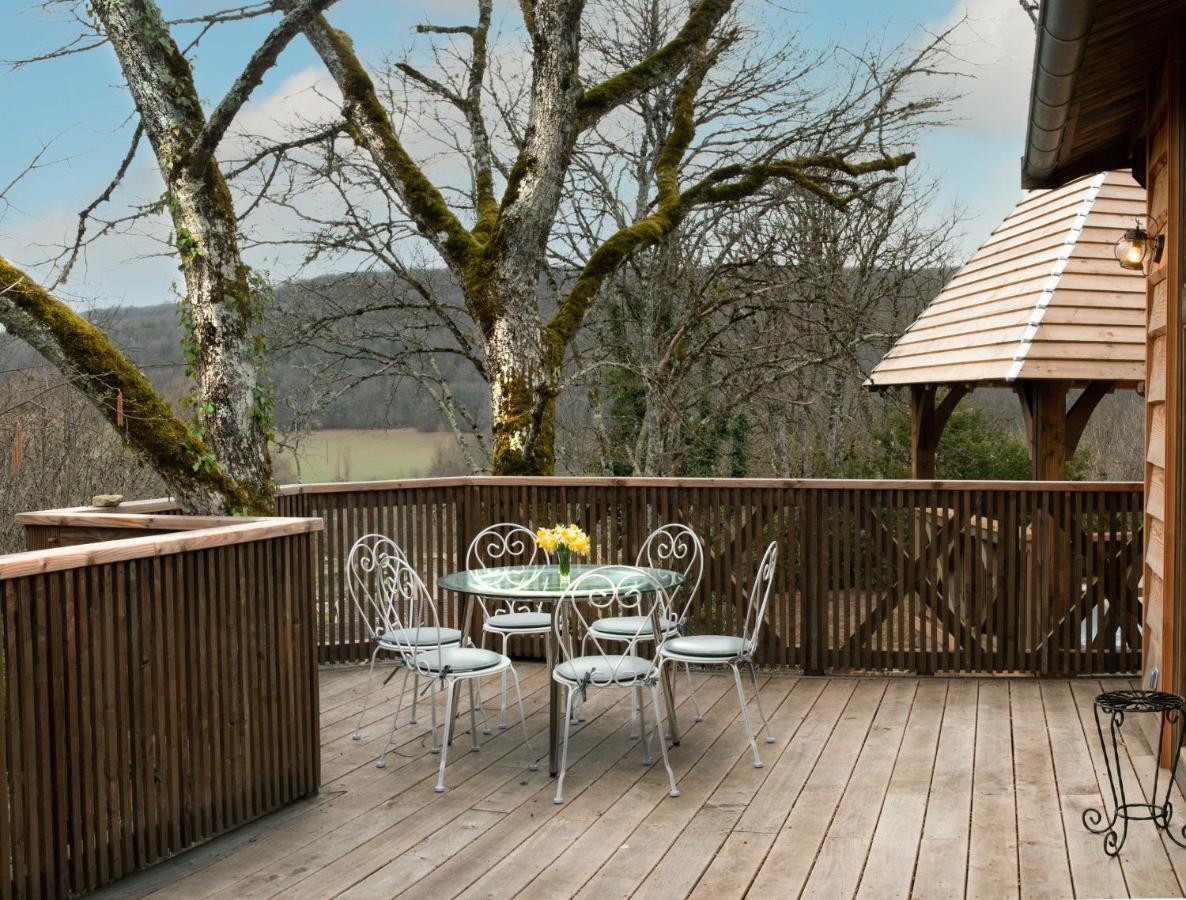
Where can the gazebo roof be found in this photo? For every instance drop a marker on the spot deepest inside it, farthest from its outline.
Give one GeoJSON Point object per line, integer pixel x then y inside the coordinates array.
{"type": "Point", "coordinates": [1043, 298]}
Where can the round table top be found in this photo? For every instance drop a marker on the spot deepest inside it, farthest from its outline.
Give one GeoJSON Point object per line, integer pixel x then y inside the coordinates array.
{"type": "Point", "coordinates": [543, 582]}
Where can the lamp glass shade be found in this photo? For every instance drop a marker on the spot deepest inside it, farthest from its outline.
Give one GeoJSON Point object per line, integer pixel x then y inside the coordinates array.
{"type": "Point", "coordinates": [1132, 248]}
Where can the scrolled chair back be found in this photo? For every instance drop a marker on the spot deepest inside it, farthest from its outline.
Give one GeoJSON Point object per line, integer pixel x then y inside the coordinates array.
{"type": "Point", "coordinates": [506, 544]}
{"type": "Point", "coordinates": [759, 597]}
{"type": "Point", "coordinates": [677, 547]}
{"type": "Point", "coordinates": [626, 590]}
{"type": "Point", "coordinates": [389, 594]}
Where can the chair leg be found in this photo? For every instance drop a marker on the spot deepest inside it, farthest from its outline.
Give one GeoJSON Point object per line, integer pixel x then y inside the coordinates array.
{"type": "Point", "coordinates": [532, 763]}
{"type": "Point", "coordinates": [647, 759]}
{"type": "Point", "coordinates": [564, 747]}
{"type": "Point", "coordinates": [502, 709]}
{"type": "Point", "coordinates": [432, 705]}
{"type": "Point", "coordinates": [440, 785]}
{"type": "Point", "coordinates": [662, 742]}
{"type": "Point", "coordinates": [635, 714]}
{"type": "Point", "coordinates": [692, 693]}
{"type": "Point", "coordinates": [381, 763]}
{"type": "Point", "coordinates": [473, 715]}
{"type": "Point", "coordinates": [366, 697]}
{"type": "Point", "coordinates": [749, 729]}
{"type": "Point", "coordinates": [415, 695]}
{"type": "Point", "coordinates": [753, 677]}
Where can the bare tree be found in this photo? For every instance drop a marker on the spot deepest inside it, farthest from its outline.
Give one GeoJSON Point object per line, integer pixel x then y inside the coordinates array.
{"type": "Point", "coordinates": [221, 463]}
{"type": "Point", "coordinates": [494, 236]}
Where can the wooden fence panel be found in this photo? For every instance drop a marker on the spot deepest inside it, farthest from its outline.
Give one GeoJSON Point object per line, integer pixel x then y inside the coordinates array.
{"type": "Point", "coordinates": [150, 703]}
{"type": "Point", "coordinates": [922, 577]}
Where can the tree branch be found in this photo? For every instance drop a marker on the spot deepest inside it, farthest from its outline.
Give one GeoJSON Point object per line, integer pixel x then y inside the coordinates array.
{"type": "Point", "coordinates": [120, 392]}
{"type": "Point", "coordinates": [657, 68]}
{"type": "Point", "coordinates": [371, 128]}
{"type": "Point", "coordinates": [253, 73]}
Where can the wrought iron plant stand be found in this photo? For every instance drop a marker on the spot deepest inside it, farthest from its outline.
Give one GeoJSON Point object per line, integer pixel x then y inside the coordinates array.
{"type": "Point", "coordinates": [1116, 706]}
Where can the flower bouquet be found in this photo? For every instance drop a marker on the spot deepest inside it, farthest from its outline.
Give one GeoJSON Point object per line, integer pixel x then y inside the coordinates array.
{"type": "Point", "coordinates": [563, 541]}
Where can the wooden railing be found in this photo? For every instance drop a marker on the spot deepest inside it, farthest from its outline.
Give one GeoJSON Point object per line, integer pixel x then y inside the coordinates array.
{"type": "Point", "coordinates": [155, 690]}
{"type": "Point", "coordinates": [1022, 577]}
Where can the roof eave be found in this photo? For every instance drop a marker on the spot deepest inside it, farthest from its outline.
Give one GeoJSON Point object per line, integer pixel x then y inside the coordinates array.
{"type": "Point", "coordinates": [1063, 27]}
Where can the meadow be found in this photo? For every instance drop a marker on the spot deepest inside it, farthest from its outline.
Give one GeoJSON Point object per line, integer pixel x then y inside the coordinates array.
{"type": "Point", "coordinates": [363, 454]}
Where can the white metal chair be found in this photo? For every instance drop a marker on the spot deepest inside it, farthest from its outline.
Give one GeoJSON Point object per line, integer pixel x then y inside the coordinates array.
{"type": "Point", "coordinates": [370, 559]}
{"type": "Point", "coordinates": [671, 546]}
{"type": "Point", "coordinates": [427, 654]}
{"type": "Point", "coordinates": [731, 650]}
{"type": "Point", "coordinates": [612, 664]}
{"type": "Point", "coordinates": [503, 544]}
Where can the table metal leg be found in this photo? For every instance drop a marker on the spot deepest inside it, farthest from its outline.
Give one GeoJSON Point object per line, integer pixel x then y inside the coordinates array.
{"type": "Point", "coordinates": [553, 706]}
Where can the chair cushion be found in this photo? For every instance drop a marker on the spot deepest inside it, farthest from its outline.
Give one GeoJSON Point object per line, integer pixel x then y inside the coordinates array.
{"type": "Point", "coordinates": [420, 637]}
{"type": "Point", "coordinates": [628, 626]}
{"type": "Point", "coordinates": [458, 659]}
{"type": "Point", "coordinates": [709, 646]}
{"type": "Point", "coordinates": [605, 669]}
{"type": "Point", "coordinates": [520, 621]}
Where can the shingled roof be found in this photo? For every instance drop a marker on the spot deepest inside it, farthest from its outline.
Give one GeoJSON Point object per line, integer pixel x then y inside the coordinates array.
{"type": "Point", "coordinates": [1043, 298]}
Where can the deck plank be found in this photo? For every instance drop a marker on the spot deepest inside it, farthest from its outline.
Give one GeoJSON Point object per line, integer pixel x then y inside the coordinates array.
{"type": "Point", "coordinates": [788, 865]}
{"type": "Point", "coordinates": [875, 787]}
{"type": "Point", "coordinates": [889, 867]}
{"type": "Point", "coordinates": [1042, 845]}
{"type": "Point", "coordinates": [992, 846]}
{"type": "Point", "coordinates": [943, 853]}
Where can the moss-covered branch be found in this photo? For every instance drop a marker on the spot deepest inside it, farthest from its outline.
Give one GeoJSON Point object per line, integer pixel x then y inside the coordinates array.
{"type": "Point", "coordinates": [727, 184]}
{"type": "Point", "coordinates": [657, 68]}
{"type": "Point", "coordinates": [253, 73]}
{"type": "Point", "coordinates": [371, 128]}
{"type": "Point", "coordinates": [122, 395]}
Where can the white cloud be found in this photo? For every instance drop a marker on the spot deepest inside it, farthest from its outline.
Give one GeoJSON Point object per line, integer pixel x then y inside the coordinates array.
{"type": "Point", "coordinates": [993, 42]}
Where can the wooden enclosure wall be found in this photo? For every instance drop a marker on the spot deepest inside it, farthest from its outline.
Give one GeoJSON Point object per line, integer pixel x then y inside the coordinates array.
{"type": "Point", "coordinates": [926, 577]}
{"type": "Point", "coordinates": [1163, 382]}
{"type": "Point", "coordinates": [147, 704]}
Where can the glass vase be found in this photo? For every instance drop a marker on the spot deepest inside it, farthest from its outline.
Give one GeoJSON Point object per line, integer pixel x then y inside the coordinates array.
{"type": "Point", "coordinates": [564, 558]}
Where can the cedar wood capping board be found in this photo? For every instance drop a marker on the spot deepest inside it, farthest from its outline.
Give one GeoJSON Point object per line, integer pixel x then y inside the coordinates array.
{"type": "Point", "coordinates": [58, 559]}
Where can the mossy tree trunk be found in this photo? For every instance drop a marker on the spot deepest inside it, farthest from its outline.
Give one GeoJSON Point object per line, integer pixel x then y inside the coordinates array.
{"type": "Point", "coordinates": [221, 309]}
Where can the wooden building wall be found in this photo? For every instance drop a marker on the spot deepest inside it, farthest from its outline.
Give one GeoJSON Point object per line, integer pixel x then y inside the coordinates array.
{"type": "Point", "coordinates": [1164, 381]}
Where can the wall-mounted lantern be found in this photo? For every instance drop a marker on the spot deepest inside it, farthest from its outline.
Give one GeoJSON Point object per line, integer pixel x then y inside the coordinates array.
{"type": "Point", "coordinates": [1136, 247]}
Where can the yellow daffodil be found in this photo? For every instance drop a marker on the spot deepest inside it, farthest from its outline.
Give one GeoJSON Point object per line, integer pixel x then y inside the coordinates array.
{"type": "Point", "coordinates": [569, 537]}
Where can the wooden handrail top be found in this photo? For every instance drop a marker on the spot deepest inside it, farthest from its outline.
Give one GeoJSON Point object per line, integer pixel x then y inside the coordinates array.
{"type": "Point", "coordinates": [194, 533]}
{"type": "Point", "coordinates": [341, 487]}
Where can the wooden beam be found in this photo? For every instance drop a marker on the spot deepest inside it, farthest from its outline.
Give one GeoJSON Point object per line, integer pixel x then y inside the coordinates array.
{"type": "Point", "coordinates": [1081, 410]}
{"type": "Point", "coordinates": [927, 421]}
{"type": "Point", "coordinates": [1044, 407]}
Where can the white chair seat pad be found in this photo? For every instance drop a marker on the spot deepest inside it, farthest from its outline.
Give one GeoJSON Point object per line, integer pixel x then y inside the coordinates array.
{"type": "Point", "coordinates": [709, 646]}
{"type": "Point", "coordinates": [629, 626]}
{"type": "Point", "coordinates": [519, 621]}
{"type": "Point", "coordinates": [599, 669]}
{"type": "Point", "coordinates": [420, 637]}
{"type": "Point", "coordinates": [458, 659]}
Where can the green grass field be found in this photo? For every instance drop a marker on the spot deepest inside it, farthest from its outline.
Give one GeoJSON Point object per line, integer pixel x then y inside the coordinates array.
{"type": "Point", "coordinates": [365, 455]}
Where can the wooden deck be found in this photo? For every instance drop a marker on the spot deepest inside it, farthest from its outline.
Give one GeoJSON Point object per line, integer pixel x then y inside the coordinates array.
{"type": "Point", "coordinates": [875, 787]}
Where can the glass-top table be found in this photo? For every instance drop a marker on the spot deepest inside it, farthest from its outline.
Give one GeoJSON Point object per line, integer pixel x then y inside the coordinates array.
{"type": "Point", "coordinates": [542, 584]}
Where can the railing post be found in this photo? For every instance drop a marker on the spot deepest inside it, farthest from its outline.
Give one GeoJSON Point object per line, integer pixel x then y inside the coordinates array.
{"type": "Point", "coordinates": [811, 595]}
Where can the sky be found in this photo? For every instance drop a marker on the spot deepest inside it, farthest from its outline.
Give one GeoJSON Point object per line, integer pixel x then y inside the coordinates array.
{"type": "Point", "coordinates": [78, 109]}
